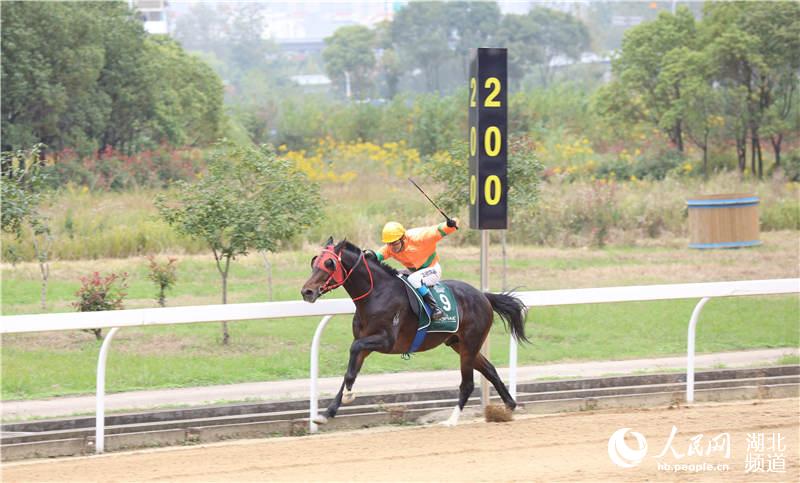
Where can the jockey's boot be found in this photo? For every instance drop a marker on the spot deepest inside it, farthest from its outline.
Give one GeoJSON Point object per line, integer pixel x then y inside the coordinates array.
{"type": "Point", "coordinates": [436, 312]}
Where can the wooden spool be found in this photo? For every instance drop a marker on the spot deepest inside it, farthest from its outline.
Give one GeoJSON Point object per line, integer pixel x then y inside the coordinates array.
{"type": "Point", "coordinates": [723, 221]}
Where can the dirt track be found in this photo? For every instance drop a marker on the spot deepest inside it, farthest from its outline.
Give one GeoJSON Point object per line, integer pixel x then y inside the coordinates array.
{"type": "Point", "coordinates": [542, 448]}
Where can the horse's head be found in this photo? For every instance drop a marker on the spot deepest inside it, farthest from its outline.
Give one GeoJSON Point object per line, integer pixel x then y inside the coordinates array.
{"type": "Point", "coordinates": [328, 271]}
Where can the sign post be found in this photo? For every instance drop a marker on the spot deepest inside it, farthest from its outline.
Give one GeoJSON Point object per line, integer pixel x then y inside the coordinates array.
{"type": "Point", "coordinates": [488, 154]}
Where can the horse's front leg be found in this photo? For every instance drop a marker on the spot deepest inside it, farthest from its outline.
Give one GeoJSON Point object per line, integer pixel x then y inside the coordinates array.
{"type": "Point", "coordinates": [348, 395]}
{"type": "Point", "coordinates": [358, 352]}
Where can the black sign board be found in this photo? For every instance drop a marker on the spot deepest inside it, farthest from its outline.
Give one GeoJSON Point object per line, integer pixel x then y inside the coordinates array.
{"type": "Point", "coordinates": [488, 144]}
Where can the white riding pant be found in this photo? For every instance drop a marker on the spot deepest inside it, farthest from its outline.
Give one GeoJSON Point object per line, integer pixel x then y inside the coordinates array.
{"type": "Point", "coordinates": [429, 276]}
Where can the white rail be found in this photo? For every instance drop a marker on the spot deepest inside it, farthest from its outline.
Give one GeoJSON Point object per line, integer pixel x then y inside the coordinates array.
{"type": "Point", "coordinates": [271, 310]}
{"type": "Point", "coordinates": [171, 315]}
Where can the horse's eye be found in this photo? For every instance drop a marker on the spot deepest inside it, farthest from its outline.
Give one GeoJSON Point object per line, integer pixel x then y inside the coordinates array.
{"type": "Point", "coordinates": [313, 262]}
{"type": "Point", "coordinates": [330, 264]}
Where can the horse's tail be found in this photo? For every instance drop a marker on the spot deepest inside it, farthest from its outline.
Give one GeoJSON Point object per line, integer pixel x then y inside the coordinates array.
{"type": "Point", "coordinates": [513, 312]}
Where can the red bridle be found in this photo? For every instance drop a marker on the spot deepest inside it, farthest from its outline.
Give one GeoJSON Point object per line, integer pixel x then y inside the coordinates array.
{"type": "Point", "coordinates": [338, 274]}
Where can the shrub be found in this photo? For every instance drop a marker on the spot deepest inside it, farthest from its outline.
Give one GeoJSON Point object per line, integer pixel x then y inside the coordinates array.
{"type": "Point", "coordinates": [342, 162]}
{"type": "Point", "coordinates": [599, 211]}
{"type": "Point", "coordinates": [163, 275]}
{"type": "Point", "coordinates": [111, 170]}
{"type": "Point", "coordinates": [617, 168]}
{"type": "Point", "coordinates": [659, 165]}
{"type": "Point", "coordinates": [99, 293]}
{"type": "Point", "coordinates": [791, 165]}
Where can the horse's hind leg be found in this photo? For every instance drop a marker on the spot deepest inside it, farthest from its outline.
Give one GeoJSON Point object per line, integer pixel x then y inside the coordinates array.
{"type": "Point", "coordinates": [488, 371]}
{"type": "Point", "coordinates": [465, 390]}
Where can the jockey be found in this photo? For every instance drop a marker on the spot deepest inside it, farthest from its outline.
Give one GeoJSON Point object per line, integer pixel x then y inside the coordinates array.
{"type": "Point", "coordinates": [416, 249]}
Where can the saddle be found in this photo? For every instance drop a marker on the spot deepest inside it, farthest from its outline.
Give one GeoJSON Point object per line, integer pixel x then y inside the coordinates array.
{"type": "Point", "coordinates": [418, 306]}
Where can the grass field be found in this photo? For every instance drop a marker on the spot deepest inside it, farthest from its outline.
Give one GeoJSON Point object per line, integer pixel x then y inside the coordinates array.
{"type": "Point", "coordinates": [59, 363]}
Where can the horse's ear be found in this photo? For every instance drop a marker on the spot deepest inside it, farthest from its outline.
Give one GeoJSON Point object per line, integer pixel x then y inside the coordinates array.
{"type": "Point", "coordinates": [330, 241]}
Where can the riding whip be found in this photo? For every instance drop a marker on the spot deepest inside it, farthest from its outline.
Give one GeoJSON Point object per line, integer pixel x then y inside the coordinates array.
{"type": "Point", "coordinates": [429, 199]}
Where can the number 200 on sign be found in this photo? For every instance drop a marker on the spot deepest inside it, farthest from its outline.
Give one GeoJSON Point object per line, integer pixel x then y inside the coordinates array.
{"type": "Point", "coordinates": [492, 142]}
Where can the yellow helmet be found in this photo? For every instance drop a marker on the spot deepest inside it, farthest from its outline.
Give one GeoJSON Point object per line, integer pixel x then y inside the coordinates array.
{"type": "Point", "coordinates": [392, 232]}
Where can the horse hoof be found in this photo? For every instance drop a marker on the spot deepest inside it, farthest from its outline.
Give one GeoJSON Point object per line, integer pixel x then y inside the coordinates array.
{"type": "Point", "coordinates": [320, 419]}
{"type": "Point", "coordinates": [453, 419]}
{"type": "Point", "coordinates": [348, 397]}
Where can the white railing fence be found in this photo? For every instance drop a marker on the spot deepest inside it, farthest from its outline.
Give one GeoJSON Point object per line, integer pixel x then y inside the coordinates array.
{"type": "Point", "coordinates": [271, 310]}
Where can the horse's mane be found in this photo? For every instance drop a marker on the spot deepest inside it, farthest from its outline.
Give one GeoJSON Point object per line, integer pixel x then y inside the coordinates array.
{"type": "Point", "coordinates": [369, 254]}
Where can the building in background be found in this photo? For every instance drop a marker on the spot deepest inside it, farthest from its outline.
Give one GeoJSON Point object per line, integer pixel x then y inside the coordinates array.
{"type": "Point", "coordinates": [154, 15]}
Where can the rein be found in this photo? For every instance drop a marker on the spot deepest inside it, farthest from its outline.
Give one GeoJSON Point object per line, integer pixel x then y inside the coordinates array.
{"type": "Point", "coordinates": [337, 275]}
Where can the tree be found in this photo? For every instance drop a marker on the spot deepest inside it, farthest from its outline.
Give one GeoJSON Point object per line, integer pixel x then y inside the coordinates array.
{"type": "Point", "coordinates": [232, 33]}
{"type": "Point", "coordinates": [125, 78]}
{"type": "Point", "coordinates": [421, 38]}
{"type": "Point", "coordinates": [187, 95]}
{"type": "Point", "coordinates": [256, 105]}
{"type": "Point", "coordinates": [389, 68]}
{"type": "Point", "coordinates": [247, 47]}
{"type": "Point", "coordinates": [23, 185]}
{"type": "Point", "coordinates": [641, 91]}
{"type": "Point", "coordinates": [783, 117]}
{"type": "Point", "coordinates": [50, 65]}
{"type": "Point", "coordinates": [537, 38]}
{"type": "Point", "coordinates": [699, 104]}
{"type": "Point", "coordinates": [757, 49]}
{"type": "Point", "coordinates": [249, 200]}
{"type": "Point", "coordinates": [518, 34]}
{"type": "Point", "coordinates": [559, 34]}
{"type": "Point", "coordinates": [471, 25]}
{"type": "Point", "coordinates": [437, 121]}
{"type": "Point", "coordinates": [85, 75]}
{"type": "Point", "coordinates": [202, 29]}
{"type": "Point", "coordinates": [350, 59]}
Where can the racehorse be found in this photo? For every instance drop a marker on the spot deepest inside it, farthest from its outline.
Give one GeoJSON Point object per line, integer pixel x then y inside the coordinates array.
{"type": "Point", "coordinates": [385, 322]}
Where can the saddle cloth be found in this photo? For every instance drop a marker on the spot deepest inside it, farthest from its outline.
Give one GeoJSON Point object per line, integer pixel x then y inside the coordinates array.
{"type": "Point", "coordinates": [447, 302]}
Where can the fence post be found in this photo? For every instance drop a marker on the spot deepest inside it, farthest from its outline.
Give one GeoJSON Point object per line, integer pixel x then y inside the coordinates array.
{"type": "Point", "coordinates": [512, 367]}
{"type": "Point", "coordinates": [690, 350]}
{"type": "Point", "coordinates": [312, 397]}
{"type": "Point", "coordinates": [100, 423]}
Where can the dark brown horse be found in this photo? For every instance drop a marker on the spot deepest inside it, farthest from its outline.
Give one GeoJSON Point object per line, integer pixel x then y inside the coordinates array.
{"type": "Point", "coordinates": [384, 321]}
